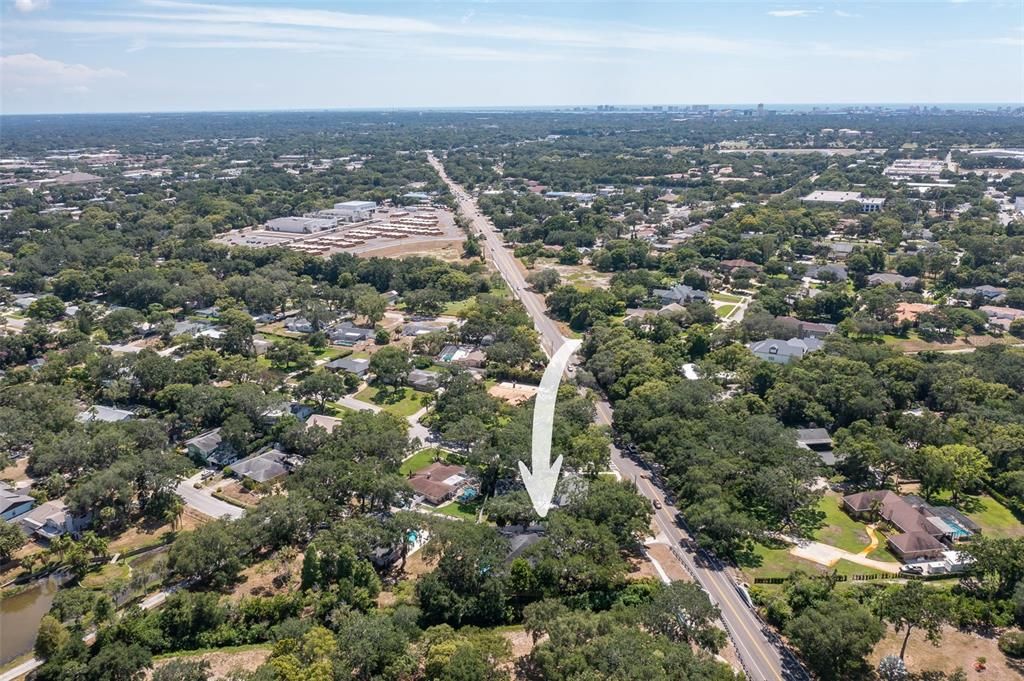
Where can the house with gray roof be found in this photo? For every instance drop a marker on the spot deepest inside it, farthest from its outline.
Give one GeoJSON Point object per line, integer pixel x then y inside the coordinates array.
{"type": "Point", "coordinates": [13, 503]}
{"type": "Point", "coordinates": [360, 366]}
{"type": "Point", "coordinates": [347, 333]}
{"type": "Point", "coordinates": [680, 294]}
{"type": "Point", "coordinates": [265, 466]}
{"type": "Point", "coordinates": [424, 380]}
{"type": "Point", "coordinates": [99, 412]}
{"type": "Point", "coordinates": [894, 279]}
{"type": "Point", "coordinates": [210, 448]}
{"type": "Point", "coordinates": [784, 351]}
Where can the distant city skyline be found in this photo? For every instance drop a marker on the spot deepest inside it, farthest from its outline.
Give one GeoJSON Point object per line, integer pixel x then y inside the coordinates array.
{"type": "Point", "coordinates": [59, 56]}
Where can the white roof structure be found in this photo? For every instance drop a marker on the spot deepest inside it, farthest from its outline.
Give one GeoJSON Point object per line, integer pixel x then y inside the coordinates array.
{"type": "Point", "coordinates": [822, 196]}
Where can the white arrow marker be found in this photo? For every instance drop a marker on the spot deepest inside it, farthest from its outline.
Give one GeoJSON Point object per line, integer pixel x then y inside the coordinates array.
{"type": "Point", "coordinates": [541, 483]}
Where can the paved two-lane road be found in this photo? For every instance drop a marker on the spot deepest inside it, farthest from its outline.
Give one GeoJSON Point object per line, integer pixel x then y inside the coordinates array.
{"type": "Point", "coordinates": [761, 657]}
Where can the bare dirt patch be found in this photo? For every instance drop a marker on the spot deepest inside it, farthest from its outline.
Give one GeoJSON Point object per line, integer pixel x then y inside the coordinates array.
{"type": "Point", "coordinates": [146, 534]}
{"type": "Point", "coordinates": [223, 663]}
{"type": "Point", "coordinates": [16, 472]}
{"type": "Point", "coordinates": [236, 492]}
{"type": "Point", "coordinates": [582, 276]}
{"type": "Point", "coordinates": [522, 642]}
{"type": "Point", "coordinates": [669, 563]}
{"type": "Point", "coordinates": [277, 575]}
{"type": "Point", "coordinates": [449, 250]}
{"type": "Point", "coordinates": [513, 393]}
{"type": "Point", "coordinates": [957, 649]}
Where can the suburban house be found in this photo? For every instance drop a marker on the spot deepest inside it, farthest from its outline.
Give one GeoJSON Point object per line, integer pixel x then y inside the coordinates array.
{"type": "Point", "coordinates": [990, 294]}
{"type": "Point", "coordinates": [818, 441]}
{"type": "Point", "coordinates": [360, 366]}
{"type": "Point", "coordinates": [328, 423]}
{"type": "Point", "coordinates": [738, 264]}
{"type": "Point", "coordinates": [831, 272]}
{"type": "Point", "coordinates": [98, 412]}
{"type": "Point", "coordinates": [50, 520]}
{"type": "Point", "coordinates": [438, 482]}
{"type": "Point", "coordinates": [680, 294]}
{"type": "Point", "coordinates": [891, 278]}
{"type": "Point", "coordinates": [801, 329]}
{"type": "Point", "coordinates": [210, 448]}
{"type": "Point", "coordinates": [13, 503]}
{"type": "Point", "coordinates": [279, 411]}
{"type": "Point", "coordinates": [266, 466]}
{"type": "Point", "coordinates": [1001, 316]}
{"type": "Point", "coordinates": [347, 333]}
{"type": "Point", "coordinates": [299, 325]}
{"type": "Point", "coordinates": [909, 312]}
{"type": "Point", "coordinates": [926, 531]}
{"type": "Point", "coordinates": [462, 355]}
{"type": "Point", "coordinates": [424, 380]}
{"type": "Point", "coordinates": [784, 351]}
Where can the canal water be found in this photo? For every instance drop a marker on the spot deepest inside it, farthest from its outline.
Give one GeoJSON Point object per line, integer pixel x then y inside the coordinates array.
{"type": "Point", "coordinates": [20, 615]}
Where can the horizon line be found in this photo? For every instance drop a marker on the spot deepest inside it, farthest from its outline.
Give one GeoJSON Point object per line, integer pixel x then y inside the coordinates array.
{"type": "Point", "coordinates": [520, 108]}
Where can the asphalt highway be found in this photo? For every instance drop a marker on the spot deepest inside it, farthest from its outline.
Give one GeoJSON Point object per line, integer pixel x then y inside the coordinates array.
{"type": "Point", "coordinates": [763, 658]}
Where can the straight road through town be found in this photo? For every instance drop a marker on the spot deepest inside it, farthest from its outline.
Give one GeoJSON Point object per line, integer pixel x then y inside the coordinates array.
{"type": "Point", "coordinates": [762, 657]}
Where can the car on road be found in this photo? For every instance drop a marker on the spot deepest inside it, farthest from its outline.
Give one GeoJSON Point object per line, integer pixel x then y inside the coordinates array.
{"type": "Point", "coordinates": [657, 504]}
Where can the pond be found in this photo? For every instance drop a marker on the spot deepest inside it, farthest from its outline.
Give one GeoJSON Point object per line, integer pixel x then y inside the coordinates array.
{"type": "Point", "coordinates": [20, 615]}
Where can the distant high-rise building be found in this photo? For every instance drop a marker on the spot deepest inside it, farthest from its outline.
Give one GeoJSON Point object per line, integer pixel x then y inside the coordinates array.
{"type": "Point", "coordinates": [760, 109]}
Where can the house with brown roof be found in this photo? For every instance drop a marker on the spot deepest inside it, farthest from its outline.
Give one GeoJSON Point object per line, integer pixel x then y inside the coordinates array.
{"type": "Point", "coordinates": [926, 531]}
{"type": "Point", "coordinates": [438, 482]}
{"type": "Point", "coordinates": [738, 264]}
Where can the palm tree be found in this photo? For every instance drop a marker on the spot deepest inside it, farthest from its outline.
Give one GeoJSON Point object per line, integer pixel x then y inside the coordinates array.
{"type": "Point", "coordinates": [60, 545]}
{"type": "Point", "coordinates": [94, 544]}
{"type": "Point", "coordinates": [175, 508]}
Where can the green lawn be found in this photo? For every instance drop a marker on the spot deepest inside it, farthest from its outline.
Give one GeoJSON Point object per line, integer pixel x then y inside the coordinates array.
{"type": "Point", "coordinates": [840, 530]}
{"type": "Point", "coordinates": [456, 509]}
{"type": "Point", "coordinates": [725, 298]}
{"type": "Point", "coordinates": [419, 460]}
{"type": "Point", "coordinates": [724, 311]}
{"type": "Point", "coordinates": [405, 402]}
{"type": "Point", "coordinates": [459, 306]}
{"type": "Point", "coordinates": [995, 519]}
{"type": "Point", "coordinates": [779, 563]}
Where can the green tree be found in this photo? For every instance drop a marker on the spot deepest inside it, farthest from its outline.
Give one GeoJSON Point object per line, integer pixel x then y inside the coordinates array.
{"type": "Point", "coordinates": [322, 386]}
{"type": "Point", "coordinates": [684, 613]}
{"type": "Point", "coordinates": [911, 606]}
{"type": "Point", "coordinates": [46, 309]}
{"type": "Point", "coordinates": [209, 555]}
{"type": "Point", "coordinates": [11, 539]}
{"type": "Point", "coordinates": [834, 637]}
{"type": "Point", "coordinates": [51, 639]}
{"type": "Point", "coordinates": [182, 670]}
{"type": "Point", "coordinates": [390, 366]}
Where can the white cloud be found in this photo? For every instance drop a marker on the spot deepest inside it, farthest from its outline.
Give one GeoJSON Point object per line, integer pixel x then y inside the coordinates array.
{"type": "Point", "coordinates": [27, 6]}
{"type": "Point", "coordinates": [846, 15]}
{"type": "Point", "coordinates": [31, 70]}
{"type": "Point", "coordinates": [792, 12]}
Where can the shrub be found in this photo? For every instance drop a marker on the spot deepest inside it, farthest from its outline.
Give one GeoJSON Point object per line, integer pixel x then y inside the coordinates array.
{"type": "Point", "coordinates": [1012, 644]}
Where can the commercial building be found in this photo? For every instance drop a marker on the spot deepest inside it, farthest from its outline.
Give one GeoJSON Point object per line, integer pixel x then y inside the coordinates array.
{"type": "Point", "coordinates": [906, 168]}
{"type": "Point", "coordinates": [867, 204]}
{"type": "Point", "coordinates": [355, 211]}
{"type": "Point", "coordinates": [297, 225]}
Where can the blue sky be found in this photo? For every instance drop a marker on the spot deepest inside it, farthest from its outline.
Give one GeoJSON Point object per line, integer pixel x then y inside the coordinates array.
{"type": "Point", "coordinates": [184, 55]}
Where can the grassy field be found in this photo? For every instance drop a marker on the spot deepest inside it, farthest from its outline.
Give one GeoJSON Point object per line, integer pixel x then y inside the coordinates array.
{"type": "Point", "coordinates": [995, 519]}
{"type": "Point", "coordinates": [725, 310]}
{"type": "Point", "coordinates": [777, 562]}
{"type": "Point", "coordinates": [420, 460]}
{"type": "Point", "coordinates": [840, 530]}
{"type": "Point", "coordinates": [725, 298]}
{"type": "Point", "coordinates": [405, 402]}
{"type": "Point", "coordinates": [457, 509]}
{"type": "Point", "coordinates": [459, 306]}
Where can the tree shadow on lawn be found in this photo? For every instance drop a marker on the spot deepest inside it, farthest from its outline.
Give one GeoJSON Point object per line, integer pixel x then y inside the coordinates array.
{"type": "Point", "coordinates": [386, 395]}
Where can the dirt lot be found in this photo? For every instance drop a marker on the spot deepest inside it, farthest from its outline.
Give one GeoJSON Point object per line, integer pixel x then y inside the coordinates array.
{"type": "Point", "coordinates": [513, 393]}
{"type": "Point", "coordinates": [259, 578]}
{"type": "Point", "coordinates": [583, 276]}
{"type": "Point", "coordinates": [448, 249]}
{"type": "Point", "coordinates": [16, 472]}
{"type": "Point", "coordinates": [957, 649]}
{"type": "Point", "coordinates": [222, 663]}
{"type": "Point", "coordinates": [236, 492]}
{"type": "Point", "coordinates": [668, 562]}
{"type": "Point", "coordinates": [142, 535]}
